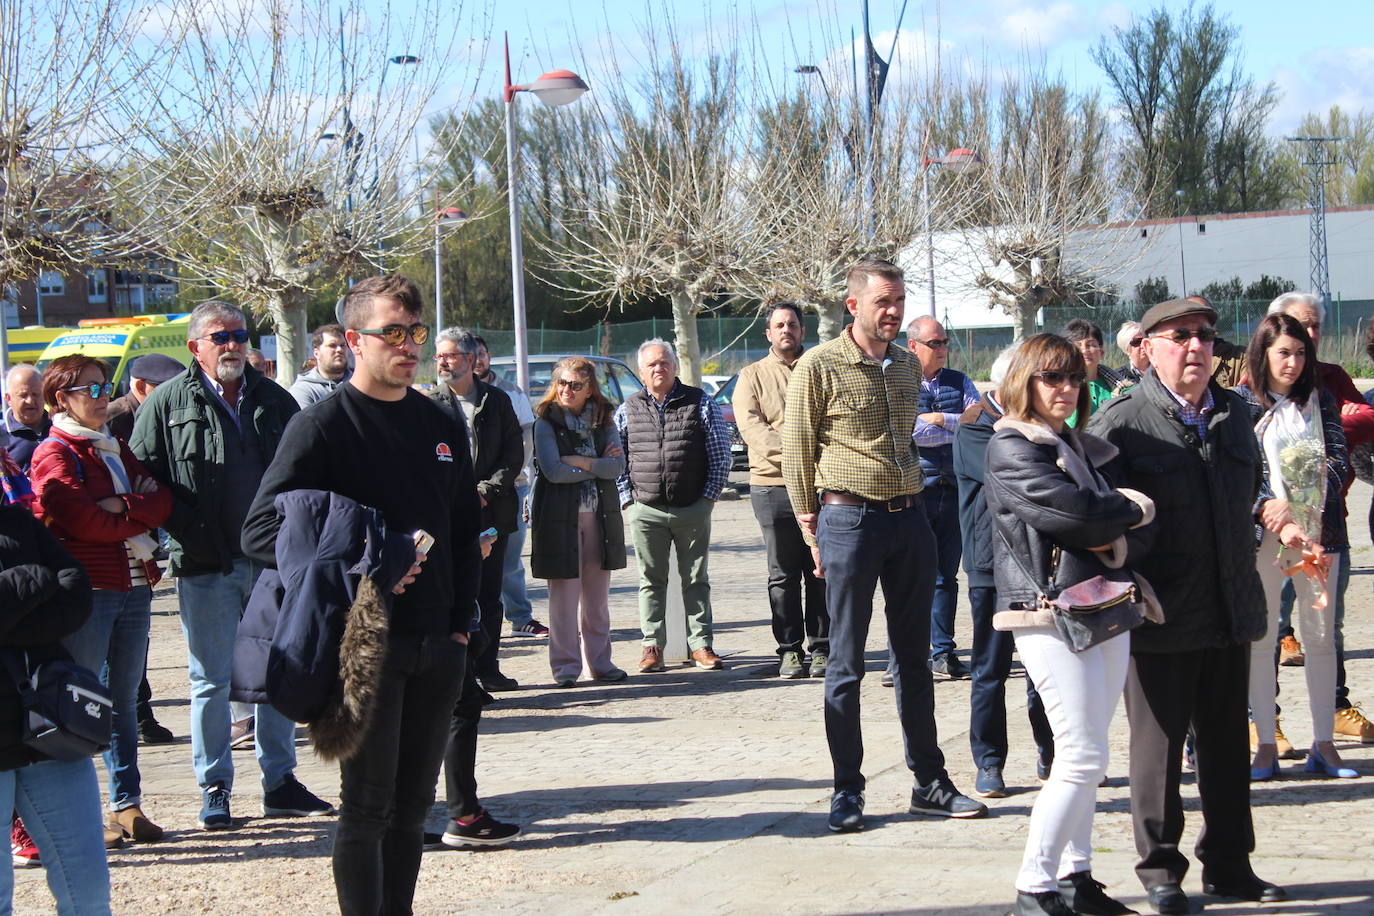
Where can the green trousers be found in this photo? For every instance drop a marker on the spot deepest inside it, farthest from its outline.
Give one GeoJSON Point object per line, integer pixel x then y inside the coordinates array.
{"type": "Point", "coordinates": [657, 530]}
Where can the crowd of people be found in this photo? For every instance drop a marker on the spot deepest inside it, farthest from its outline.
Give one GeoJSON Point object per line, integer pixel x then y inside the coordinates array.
{"type": "Point", "coordinates": [871, 465]}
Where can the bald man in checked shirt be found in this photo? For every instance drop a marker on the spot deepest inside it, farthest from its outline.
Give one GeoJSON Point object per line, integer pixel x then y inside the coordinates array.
{"type": "Point", "coordinates": [854, 479]}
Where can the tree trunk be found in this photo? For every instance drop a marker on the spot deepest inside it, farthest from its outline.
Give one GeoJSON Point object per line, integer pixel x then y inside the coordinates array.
{"type": "Point", "coordinates": [1023, 318]}
{"type": "Point", "coordinates": [287, 310]}
{"type": "Point", "coordinates": [688, 346]}
{"type": "Point", "coordinates": [830, 321]}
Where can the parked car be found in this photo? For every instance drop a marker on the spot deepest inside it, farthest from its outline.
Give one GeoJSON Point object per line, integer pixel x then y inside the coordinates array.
{"type": "Point", "coordinates": [713, 383]}
{"type": "Point", "coordinates": [617, 380]}
{"type": "Point", "coordinates": [739, 454]}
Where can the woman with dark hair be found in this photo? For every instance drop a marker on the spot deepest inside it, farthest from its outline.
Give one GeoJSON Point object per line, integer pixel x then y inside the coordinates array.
{"type": "Point", "coordinates": [1305, 464]}
{"type": "Point", "coordinates": [1057, 521]}
{"type": "Point", "coordinates": [1102, 381]}
{"type": "Point", "coordinates": [103, 504]}
{"type": "Point", "coordinates": [577, 535]}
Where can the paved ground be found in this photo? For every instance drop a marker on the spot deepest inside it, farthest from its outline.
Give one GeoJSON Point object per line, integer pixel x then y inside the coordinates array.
{"type": "Point", "coordinates": [700, 792]}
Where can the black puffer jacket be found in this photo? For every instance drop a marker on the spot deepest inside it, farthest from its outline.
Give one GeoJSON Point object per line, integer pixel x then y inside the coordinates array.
{"type": "Point", "coordinates": [1202, 562]}
{"type": "Point", "coordinates": [1037, 505]}
{"type": "Point", "coordinates": [44, 596]}
{"type": "Point", "coordinates": [975, 522]}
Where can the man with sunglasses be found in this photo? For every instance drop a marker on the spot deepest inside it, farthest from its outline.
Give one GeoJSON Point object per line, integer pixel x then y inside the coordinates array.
{"type": "Point", "coordinates": [383, 444]}
{"type": "Point", "coordinates": [208, 434]}
{"type": "Point", "coordinates": [1130, 341]}
{"type": "Point", "coordinates": [1188, 444]}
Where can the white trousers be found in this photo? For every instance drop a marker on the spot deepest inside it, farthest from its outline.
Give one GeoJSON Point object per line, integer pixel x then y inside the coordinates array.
{"type": "Point", "coordinates": [1316, 631]}
{"type": "Point", "coordinates": [1080, 692]}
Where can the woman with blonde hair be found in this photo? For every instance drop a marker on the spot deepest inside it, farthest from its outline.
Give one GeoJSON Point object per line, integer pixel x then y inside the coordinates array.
{"type": "Point", "coordinates": [576, 533]}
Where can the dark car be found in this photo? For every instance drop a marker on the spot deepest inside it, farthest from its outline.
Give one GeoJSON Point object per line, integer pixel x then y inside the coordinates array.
{"type": "Point", "coordinates": [617, 380]}
{"type": "Point", "coordinates": [739, 455]}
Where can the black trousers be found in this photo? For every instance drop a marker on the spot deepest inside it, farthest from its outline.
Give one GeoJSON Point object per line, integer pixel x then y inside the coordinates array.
{"type": "Point", "coordinates": [795, 596]}
{"type": "Point", "coordinates": [460, 758]}
{"type": "Point", "coordinates": [388, 785]}
{"type": "Point", "coordinates": [489, 600]}
{"type": "Point", "coordinates": [1166, 693]}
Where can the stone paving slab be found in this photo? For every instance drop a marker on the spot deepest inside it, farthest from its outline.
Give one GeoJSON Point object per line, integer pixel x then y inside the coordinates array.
{"type": "Point", "coordinates": [707, 792]}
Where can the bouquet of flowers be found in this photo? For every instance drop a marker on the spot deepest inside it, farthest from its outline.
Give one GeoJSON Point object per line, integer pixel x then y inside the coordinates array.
{"type": "Point", "coordinates": [1303, 466]}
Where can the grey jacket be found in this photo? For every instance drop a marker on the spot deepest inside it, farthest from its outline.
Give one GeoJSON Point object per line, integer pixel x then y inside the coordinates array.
{"type": "Point", "coordinates": [310, 387]}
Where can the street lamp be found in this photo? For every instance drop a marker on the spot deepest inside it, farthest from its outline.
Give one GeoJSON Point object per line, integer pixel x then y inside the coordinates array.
{"type": "Point", "coordinates": [557, 87]}
{"type": "Point", "coordinates": [451, 218]}
{"type": "Point", "coordinates": [958, 160]}
{"type": "Point", "coordinates": [1182, 261]}
{"type": "Point", "coordinates": [402, 60]}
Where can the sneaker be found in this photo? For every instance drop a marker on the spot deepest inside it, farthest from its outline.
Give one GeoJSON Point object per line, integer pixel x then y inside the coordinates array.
{"type": "Point", "coordinates": [948, 667]}
{"type": "Point", "coordinates": [498, 682]}
{"type": "Point", "coordinates": [291, 799]}
{"type": "Point", "coordinates": [1351, 723]}
{"type": "Point", "coordinates": [887, 680]}
{"type": "Point", "coordinates": [790, 667]}
{"type": "Point", "coordinates": [214, 812]}
{"type": "Point", "coordinates": [532, 628]}
{"type": "Point", "coordinates": [242, 734]}
{"type": "Point", "coordinates": [151, 731]}
{"type": "Point", "coordinates": [613, 676]}
{"type": "Point", "coordinates": [23, 852]}
{"type": "Point", "coordinates": [989, 783]}
{"type": "Point", "coordinates": [1046, 903]}
{"type": "Point", "coordinates": [941, 799]}
{"type": "Point", "coordinates": [707, 659]}
{"type": "Point", "coordinates": [1087, 896]}
{"type": "Point", "coordinates": [1290, 653]}
{"type": "Point", "coordinates": [484, 831]}
{"type": "Point", "coordinates": [819, 662]}
{"type": "Point", "coordinates": [846, 811]}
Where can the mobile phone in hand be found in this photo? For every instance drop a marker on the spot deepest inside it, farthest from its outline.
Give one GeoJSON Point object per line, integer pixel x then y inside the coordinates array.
{"type": "Point", "coordinates": [488, 535]}
{"type": "Point", "coordinates": [423, 541]}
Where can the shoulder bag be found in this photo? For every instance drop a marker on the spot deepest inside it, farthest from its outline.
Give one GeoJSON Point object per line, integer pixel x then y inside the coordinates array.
{"type": "Point", "coordinates": [67, 711]}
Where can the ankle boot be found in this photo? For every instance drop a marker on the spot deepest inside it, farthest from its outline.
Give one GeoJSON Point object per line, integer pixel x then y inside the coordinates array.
{"type": "Point", "coordinates": [1045, 903]}
{"type": "Point", "coordinates": [1086, 895]}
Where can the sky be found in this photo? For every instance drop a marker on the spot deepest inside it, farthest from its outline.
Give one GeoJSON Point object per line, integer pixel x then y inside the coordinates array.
{"type": "Point", "coordinates": [1317, 56]}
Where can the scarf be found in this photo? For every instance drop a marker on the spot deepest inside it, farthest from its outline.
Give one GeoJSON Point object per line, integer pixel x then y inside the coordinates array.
{"type": "Point", "coordinates": [140, 546]}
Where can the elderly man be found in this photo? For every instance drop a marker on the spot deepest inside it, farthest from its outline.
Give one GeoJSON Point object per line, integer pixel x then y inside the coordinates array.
{"type": "Point", "coordinates": [1188, 444]}
{"type": "Point", "coordinates": [854, 480]}
{"type": "Point", "coordinates": [331, 368]}
{"type": "Point", "coordinates": [1130, 342]}
{"type": "Point", "coordinates": [677, 460]}
{"type": "Point", "coordinates": [1357, 419]}
{"type": "Point", "coordinates": [26, 422]}
{"type": "Point", "coordinates": [145, 374]}
{"type": "Point", "coordinates": [945, 396]}
{"type": "Point", "coordinates": [209, 434]}
{"type": "Point", "coordinates": [760, 407]}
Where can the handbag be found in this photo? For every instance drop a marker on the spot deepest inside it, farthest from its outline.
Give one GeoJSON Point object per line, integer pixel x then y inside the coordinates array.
{"type": "Point", "coordinates": [67, 710]}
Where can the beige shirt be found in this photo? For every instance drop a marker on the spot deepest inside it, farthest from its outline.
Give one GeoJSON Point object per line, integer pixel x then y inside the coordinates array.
{"type": "Point", "coordinates": [760, 403]}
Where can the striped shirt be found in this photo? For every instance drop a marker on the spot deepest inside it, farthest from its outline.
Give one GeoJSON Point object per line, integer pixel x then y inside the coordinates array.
{"type": "Point", "coordinates": [849, 422]}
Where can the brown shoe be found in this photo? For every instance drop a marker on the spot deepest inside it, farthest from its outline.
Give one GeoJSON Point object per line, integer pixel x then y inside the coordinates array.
{"type": "Point", "coordinates": [1351, 723]}
{"type": "Point", "coordinates": [706, 658]}
{"type": "Point", "coordinates": [1285, 747]}
{"type": "Point", "coordinates": [651, 660]}
{"type": "Point", "coordinates": [133, 823]}
{"type": "Point", "coordinates": [114, 837]}
{"type": "Point", "coordinates": [1290, 652]}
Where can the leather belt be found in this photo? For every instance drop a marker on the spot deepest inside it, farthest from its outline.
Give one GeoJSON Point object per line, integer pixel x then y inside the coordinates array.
{"type": "Point", "coordinates": [896, 504]}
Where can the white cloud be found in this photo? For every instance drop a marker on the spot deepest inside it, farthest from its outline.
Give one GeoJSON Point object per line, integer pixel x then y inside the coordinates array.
{"type": "Point", "coordinates": [1324, 77]}
{"type": "Point", "coordinates": [1045, 26]}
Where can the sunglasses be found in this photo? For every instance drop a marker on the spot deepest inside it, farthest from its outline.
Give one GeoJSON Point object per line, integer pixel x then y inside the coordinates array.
{"type": "Point", "coordinates": [937, 344]}
{"type": "Point", "coordinates": [394, 335]}
{"type": "Point", "coordinates": [222, 338]}
{"type": "Point", "coordinates": [571, 385]}
{"type": "Point", "coordinates": [94, 389]}
{"type": "Point", "coordinates": [1137, 341]}
{"type": "Point", "coordinates": [1055, 378]}
{"type": "Point", "coordinates": [1181, 336]}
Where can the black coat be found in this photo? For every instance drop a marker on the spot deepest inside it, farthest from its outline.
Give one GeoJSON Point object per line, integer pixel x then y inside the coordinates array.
{"type": "Point", "coordinates": [499, 454]}
{"type": "Point", "coordinates": [975, 522]}
{"type": "Point", "coordinates": [44, 597]}
{"type": "Point", "coordinates": [554, 550]}
{"type": "Point", "coordinates": [1202, 562]}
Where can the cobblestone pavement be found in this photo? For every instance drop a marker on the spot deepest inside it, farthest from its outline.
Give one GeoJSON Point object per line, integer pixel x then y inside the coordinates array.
{"type": "Point", "coordinates": [707, 792]}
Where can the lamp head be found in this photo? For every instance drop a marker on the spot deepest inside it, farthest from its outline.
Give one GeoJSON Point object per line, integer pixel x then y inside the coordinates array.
{"type": "Point", "coordinates": [558, 87]}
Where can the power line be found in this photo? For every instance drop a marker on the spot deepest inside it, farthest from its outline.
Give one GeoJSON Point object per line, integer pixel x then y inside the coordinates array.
{"type": "Point", "coordinates": [1318, 158]}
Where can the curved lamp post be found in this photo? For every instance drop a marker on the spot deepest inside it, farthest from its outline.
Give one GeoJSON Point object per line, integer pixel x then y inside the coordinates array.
{"type": "Point", "coordinates": [957, 160]}
{"type": "Point", "coordinates": [557, 87]}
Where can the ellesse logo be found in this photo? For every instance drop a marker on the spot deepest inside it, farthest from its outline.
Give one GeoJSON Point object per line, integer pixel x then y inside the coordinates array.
{"type": "Point", "coordinates": [443, 452]}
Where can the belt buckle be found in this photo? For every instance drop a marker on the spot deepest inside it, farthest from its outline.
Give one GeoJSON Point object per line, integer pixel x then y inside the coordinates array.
{"type": "Point", "coordinates": [892, 504]}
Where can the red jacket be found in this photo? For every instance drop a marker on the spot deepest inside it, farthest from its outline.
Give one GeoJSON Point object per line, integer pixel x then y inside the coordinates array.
{"type": "Point", "coordinates": [69, 479]}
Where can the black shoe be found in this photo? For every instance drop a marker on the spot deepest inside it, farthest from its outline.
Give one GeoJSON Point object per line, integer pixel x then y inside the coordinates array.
{"type": "Point", "coordinates": [989, 783]}
{"type": "Point", "coordinates": [941, 799]}
{"type": "Point", "coordinates": [433, 841]}
{"type": "Point", "coordinates": [498, 682]}
{"type": "Point", "coordinates": [485, 698]}
{"type": "Point", "coordinates": [1042, 767]}
{"type": "Point", "coordinates": [1168, 899]}
{"type": "Point", "coordinates": [485, 831]}
{"type": "Point", "coordinates": [1247, 888]}
{"type": "Point", "coordinates": [846, 811]}
{"type": "Point", "coordinates": [948, 667]}
{"type": "Point", "coordinates": [1046, 903]}
{"type": "Point", "coordinates": [1084, 894]}
{"type": "Point", "coordinates": [150, 731]}
{"type": "Point", "coordinates": [886, 679]}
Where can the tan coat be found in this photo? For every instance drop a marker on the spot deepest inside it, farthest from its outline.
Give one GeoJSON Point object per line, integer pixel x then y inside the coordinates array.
{"type": "Point", "coordinates": [760, 404]}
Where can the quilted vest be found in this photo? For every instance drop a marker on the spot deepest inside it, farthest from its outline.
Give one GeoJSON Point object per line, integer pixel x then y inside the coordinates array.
{"type": "Point", "coordinates": [947, 397]}
{"type": "Point", "coordinates": [668, 456]}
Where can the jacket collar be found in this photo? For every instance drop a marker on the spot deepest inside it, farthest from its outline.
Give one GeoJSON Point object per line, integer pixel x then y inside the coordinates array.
{"type": "Point", "coordinates": [1097, 451]}
{"type": "Point", "coordinates": [858, 357]}
{"type": "Point", "coordinates": [1165, 400]}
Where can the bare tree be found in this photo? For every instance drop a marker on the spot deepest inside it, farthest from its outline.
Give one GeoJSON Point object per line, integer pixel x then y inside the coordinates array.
{"type": "Point", "coordinates": [294, 132]}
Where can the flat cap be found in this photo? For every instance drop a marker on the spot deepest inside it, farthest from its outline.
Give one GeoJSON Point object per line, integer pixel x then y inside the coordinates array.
{"type": "Point", "coordinates": [155, 368]}
{"type": "Point", "coordinates": [1176, 308]}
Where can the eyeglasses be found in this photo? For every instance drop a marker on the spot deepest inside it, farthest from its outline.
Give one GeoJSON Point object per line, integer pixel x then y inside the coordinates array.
{"type": "Point", "coordinates": [222, 338]}
{"type": "Point", "coordinates": [394, 335]}
{"type": "Point", "coordinates": [442, 357]}
{"type": "Point", "coordinates": [94, 389]}
{"type": "Point", "coordinates": [570, 384]}
{"type": "Point", "coordinates": [1137, 341]}
{"type": "Point", "coordinates": [937, 344]}
{"type": "Point", "coordinates": [1181, 336]}
{"type": "Point", "coordinates": [1055, 378]}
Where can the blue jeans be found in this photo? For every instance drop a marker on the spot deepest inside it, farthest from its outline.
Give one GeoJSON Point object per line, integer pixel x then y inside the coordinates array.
{"type": "Point", "coordinates": [59, 801]}
{"type": "Point", "coordinates": [1337, 596]}
{"type": "Point", "coordinates": [990, 666]}
{"type": "Point", "coordinates": [942, 511]}
{"type": "Point", "coordinates": [514, 601]}
{"type": "Point", "coordinates": [211, 606]}
{"type": "Point", "coordinates": [862, 547]}
{"type": "Point", "coordinates": [113, 642]}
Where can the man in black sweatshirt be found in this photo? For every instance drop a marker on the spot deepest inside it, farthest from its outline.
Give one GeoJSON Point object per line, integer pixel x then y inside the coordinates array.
{"type": "Point", "coordinates": [387, 446]}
